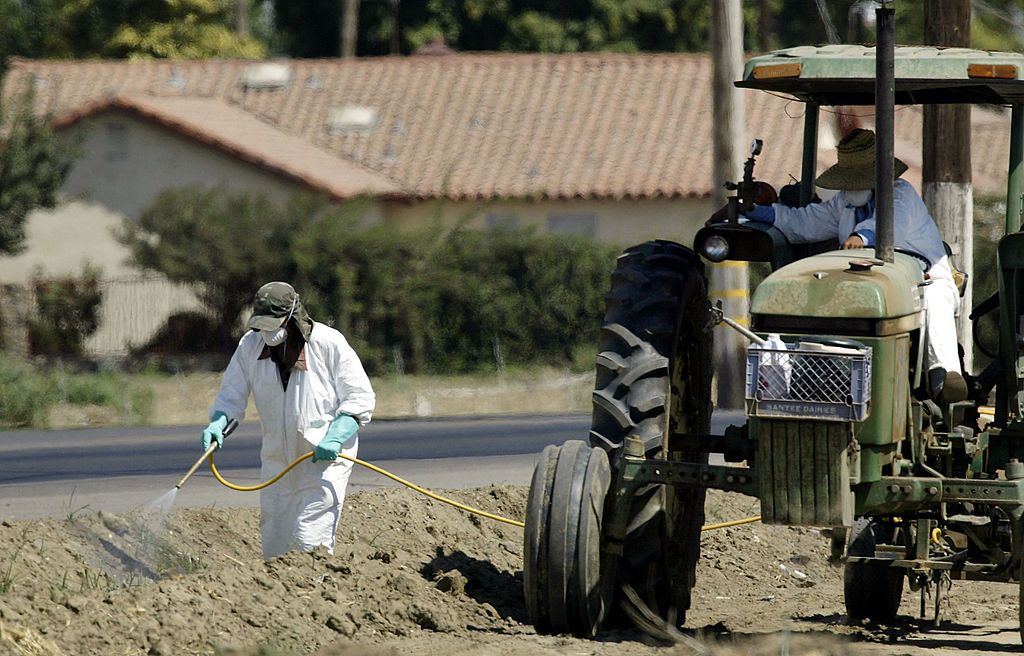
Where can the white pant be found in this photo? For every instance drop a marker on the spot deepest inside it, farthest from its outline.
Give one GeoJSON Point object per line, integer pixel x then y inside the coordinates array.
{"type": "Point", "coordinates": [302, 512]}
{"type": "Point", "coordinates": [942, 302]}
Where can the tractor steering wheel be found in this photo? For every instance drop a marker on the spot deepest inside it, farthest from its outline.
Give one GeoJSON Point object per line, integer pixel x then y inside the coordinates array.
{"type": "Point", "coordinates": [924, 261]}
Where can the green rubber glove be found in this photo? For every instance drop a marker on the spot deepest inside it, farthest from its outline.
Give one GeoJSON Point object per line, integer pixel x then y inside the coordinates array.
{"type": "Point", "coordinates": [341, 430]}
{"type": "Point", "coordinates": [215, 431]}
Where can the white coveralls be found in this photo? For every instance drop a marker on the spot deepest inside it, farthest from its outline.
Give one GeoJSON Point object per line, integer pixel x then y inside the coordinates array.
{"type": "Point", "coordinates": [300, 511]}
{"type": "Point", "coordinates": [913, 230]}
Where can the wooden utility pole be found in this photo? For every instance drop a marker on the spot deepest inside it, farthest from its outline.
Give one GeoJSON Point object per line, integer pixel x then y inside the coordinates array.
{"type": "Point", "coordinates": [242, 18]}
{"type": "Point", "coordinates": [765, 26]}
{"type": "Point", "coordinates": [946, 176]}
{"type": "Point", "coordinates": [729, 280]}
{"type": "Point", "coordinates": [349, 27]}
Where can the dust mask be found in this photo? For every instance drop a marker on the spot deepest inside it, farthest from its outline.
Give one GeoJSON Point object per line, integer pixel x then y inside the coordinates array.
{"type": "Point", "coordinates": [275, 337]}
{"type": "Point", "coordinates": [858, 197]}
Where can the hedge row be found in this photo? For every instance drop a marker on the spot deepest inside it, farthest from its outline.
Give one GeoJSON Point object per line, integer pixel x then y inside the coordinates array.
{"type": "Point", "coordinates": [439, 299]}
{"type": "Point", "coordinates": [464, 301]}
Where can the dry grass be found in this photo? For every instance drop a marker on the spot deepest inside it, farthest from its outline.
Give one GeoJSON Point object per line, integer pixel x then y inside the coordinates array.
{"type": "Point", "coordinates": [23, 641]}
{"type": "Point", "coordinates": [185, 398]}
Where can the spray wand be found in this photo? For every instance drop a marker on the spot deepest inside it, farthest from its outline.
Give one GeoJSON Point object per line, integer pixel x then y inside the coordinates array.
{"type": "Point", "coordinates": [232, 425]}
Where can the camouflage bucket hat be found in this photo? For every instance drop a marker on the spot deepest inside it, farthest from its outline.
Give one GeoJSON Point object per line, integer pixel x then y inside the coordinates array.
{"type": "Point", "coordinates": [274, 303]}
{"type": "Point", "coordinates": [855, 168]}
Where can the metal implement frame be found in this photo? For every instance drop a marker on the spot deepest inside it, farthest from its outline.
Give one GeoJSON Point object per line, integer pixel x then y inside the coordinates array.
{"type": "Point", "coordinates": [903, 495]}
{"type": "Point", "coordinates": [890, 496]}
{"type": "Point", "coordinates": [633, 473]}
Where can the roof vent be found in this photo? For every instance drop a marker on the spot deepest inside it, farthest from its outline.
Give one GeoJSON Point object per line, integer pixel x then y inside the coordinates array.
{"type": "Point", "coordinates": [266, 75]}
{"type": "Point", "coordinates": [435, 48]}
{"type": "Point", "coordinates": [352, 118]}
{"type": "Point", "coordinates": [176, 80]}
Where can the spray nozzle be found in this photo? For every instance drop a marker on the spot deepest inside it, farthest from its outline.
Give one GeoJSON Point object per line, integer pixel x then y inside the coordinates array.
{"type": "Point", "coordinates": [230, 428]}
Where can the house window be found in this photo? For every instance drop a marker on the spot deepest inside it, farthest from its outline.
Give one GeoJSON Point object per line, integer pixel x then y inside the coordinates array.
{"type": "Point", "coordinates": [581, 225]}
{"type": "Point", "coordinates": [117, 142]}
{"type": "Point", "coordinates": [504, 221]}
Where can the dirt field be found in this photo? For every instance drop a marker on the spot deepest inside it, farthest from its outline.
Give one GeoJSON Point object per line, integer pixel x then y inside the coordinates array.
{"type": "Point", "coordinates": [411, 576]}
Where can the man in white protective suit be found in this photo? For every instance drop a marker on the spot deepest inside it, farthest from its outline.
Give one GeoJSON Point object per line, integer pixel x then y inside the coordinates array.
{"type": "Point", "coordinates": [849, 216]}
{"type": "Point", "coordinates": [311, 393]}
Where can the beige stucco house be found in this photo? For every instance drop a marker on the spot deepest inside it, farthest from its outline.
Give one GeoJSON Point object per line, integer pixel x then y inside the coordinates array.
{"type": "Point", "coordinates": [616, 147]}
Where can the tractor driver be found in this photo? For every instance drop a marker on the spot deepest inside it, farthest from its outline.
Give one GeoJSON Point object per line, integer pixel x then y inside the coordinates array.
{"type": "Point", "coordinates": [850, 217]}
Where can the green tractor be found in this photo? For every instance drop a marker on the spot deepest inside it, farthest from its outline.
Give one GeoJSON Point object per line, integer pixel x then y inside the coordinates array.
{"type": "Point", "coordinates": [910, 491]}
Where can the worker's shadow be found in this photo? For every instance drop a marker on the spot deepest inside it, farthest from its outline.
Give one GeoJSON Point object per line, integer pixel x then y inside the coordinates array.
{"type": "Point", "coordinates": [484, 582]}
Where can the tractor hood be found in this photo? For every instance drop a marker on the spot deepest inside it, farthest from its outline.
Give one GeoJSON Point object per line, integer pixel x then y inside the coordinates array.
{"type": "Point", "coordinates": [842, 284]}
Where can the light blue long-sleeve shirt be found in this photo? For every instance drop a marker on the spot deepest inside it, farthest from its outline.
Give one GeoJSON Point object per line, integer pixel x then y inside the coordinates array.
{"type": "Point", "coordinates": [914, 228]}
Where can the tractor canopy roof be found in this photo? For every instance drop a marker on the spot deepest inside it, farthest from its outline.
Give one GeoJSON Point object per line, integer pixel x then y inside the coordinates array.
{"type": "Point", "coordinates": [845, 75]}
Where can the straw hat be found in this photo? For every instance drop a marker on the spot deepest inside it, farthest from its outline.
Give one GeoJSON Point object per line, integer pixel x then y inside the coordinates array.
{"type": "Point", "coordinates": [856, 166]}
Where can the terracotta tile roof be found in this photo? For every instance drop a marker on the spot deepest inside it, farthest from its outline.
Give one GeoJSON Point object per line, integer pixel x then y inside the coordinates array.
{"type": "Point", "coordinates": [472, 126]}
{"type": "Point", "coordinates": [215, 123]}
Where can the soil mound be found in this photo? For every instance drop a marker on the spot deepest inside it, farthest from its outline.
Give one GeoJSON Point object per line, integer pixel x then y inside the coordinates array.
{"type": "Point", "coordinates": [408, 576]}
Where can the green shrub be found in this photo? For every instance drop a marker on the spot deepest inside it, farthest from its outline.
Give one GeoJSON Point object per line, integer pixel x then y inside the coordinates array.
{"type": "Point", "coordinates": [25, 395]}
{"type": "Point", "coordinates": [133, 403]}
{"type": "Point", "coordinates": [455, 300]}
{"type": "Point", "coordinates": [433, 300]}
{"type": "Point", "coordinates": [67, 312]}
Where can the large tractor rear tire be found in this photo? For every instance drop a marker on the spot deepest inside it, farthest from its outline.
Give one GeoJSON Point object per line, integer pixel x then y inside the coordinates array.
{"type": "Point", "coordinates": [654, 383]}
{"type": "Point", "coordinates": [871, 590]}
{"type": "Point", "coordinates": [562, 557]}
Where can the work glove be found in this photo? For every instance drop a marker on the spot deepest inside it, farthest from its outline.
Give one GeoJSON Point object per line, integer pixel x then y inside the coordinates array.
{"type": "Point", "coordinates": [761, 214]}
{"type": "Point", "coordinates": [215, 431]}
{"type": "Point", "coordinates": [341, 430]}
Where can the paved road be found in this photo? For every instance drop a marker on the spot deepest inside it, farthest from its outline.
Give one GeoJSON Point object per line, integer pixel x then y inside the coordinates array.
{"type": "Point", "coordinates": [53, 473]}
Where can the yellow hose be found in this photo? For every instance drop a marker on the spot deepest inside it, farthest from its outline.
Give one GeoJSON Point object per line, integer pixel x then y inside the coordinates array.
{"type": "Point", "coordinates": [735, 522]}
{"type": "Point", "coordinates": [432, 495]}
{"type": "Point", "coordinates": [421, 490]}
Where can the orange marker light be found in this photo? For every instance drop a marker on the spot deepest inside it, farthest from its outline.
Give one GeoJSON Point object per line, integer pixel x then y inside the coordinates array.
{"type": "Point", "coordinates": [996, 71]}
{"type": "Point", "coordinates": [777, 70]}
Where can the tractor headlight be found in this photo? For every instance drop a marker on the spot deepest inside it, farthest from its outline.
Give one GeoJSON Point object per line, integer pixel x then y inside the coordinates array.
{"type": "Point", "coordinates": [715, 248]}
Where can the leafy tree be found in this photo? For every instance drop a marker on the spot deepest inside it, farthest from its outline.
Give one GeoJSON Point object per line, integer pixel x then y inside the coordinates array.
{"type": "Point", "coordinates": [177, 29]}
{"type": "Point", "coordinates": [225, 243]}
{"type": "Point", "coordinates": [998, 25]}
{"type": "Point", "coordinates": [311, 27]}
{"type": "Point", "coordinates": [174, 29]}
{"type": "Point", "coordinates": [33, 164]}
{"type": "Point", "coordinates": [995, 24]}
{"type": "Point", "coordinates": [28, 28]}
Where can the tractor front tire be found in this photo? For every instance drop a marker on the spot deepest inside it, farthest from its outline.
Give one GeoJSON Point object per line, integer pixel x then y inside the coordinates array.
{"type": "Point", "coordinates": [562, 556]}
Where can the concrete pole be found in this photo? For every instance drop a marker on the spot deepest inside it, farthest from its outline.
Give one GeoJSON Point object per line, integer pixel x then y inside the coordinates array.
{"type": "Point", "coordinates": [946, 176]}
{"type": "Point", "coordinates": [729, 280]}
{"type": "Point", "coordinates": [349, 27]}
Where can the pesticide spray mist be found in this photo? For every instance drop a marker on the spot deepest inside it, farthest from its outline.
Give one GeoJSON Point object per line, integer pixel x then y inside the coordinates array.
{"type": "Point", "coordinates": [137, 546]}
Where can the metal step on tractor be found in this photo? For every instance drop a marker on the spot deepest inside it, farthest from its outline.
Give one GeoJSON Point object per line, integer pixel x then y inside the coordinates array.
{"type": "Point", "coordinates": [911, 492]}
